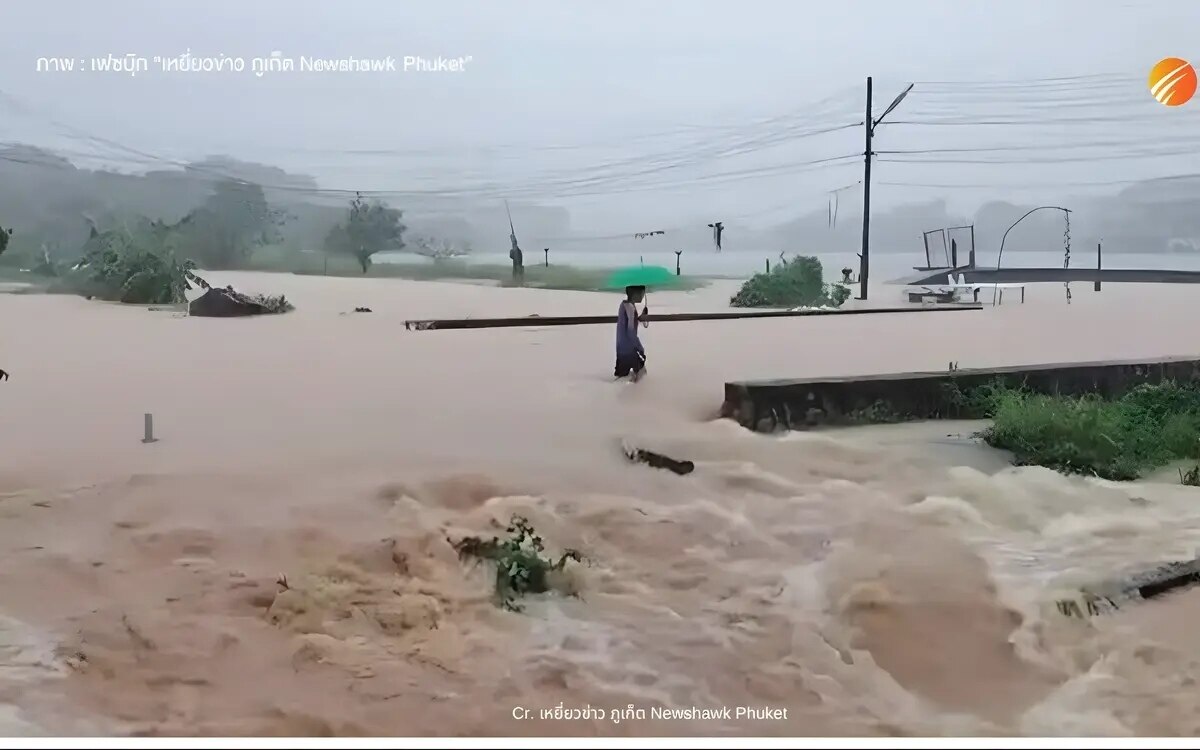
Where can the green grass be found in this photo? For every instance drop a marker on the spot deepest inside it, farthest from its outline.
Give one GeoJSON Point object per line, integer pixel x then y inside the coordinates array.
{"type": "Point", "coordinates": [541, 277]}
{"type": "Point", "coordinates": [1120, 439]}
{"type": "Point", "coordinates": [312, 264]}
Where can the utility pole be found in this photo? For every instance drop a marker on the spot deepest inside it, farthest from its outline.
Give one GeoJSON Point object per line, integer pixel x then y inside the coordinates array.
{"type": "Point", "coordinates": [869, 124]}
{"type": "Point", "coordinates": [864, 260]}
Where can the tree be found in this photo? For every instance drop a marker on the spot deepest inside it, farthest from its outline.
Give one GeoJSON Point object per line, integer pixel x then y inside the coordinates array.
{"type": "Point", "coordinates": [4, 235]}
{"type": "Point", "coordinates": [137, 266]}
{"type": "Point", "coordinates": [233, 221]}
{"type": "Point", "coordinates": [371, 227]}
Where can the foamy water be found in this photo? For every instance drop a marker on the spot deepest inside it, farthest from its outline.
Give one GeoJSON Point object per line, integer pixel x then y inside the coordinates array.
{"type": "Point", "coordinates": [889, 580]}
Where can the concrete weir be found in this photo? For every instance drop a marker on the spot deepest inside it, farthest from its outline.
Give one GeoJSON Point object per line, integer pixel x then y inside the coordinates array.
{"type": "Point", "coordinates": [770, 405]}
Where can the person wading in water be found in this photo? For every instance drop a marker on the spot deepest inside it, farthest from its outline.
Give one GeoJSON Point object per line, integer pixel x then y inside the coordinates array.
{"type": "Point", "coordinates": [631, 356]}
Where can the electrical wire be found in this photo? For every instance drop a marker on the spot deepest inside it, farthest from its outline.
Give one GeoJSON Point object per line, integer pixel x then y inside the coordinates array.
{"type": "Point", "coordinates": [571, 185]}
{"type": "Point", "coordinates": [1033, 82]}
{"type": "Point", "coordinates": [960, 121]}
{"type": "Point", "coordinates": [569, 181]}
{"type": "Point", "coordinates": [1063, 160]}
{"type": "Point", "coordinates": [997, 185]}
{"type": "Point", "coordinates": [791, 201]}
{"type": "Point", "coordinates": [1177, 142]}
{"type": "Point", "coordinates": [778, 130]}
{"type": "Point", "coordinates": [938, 103]}
{"type": "Point", "coordinates": [716, 178]}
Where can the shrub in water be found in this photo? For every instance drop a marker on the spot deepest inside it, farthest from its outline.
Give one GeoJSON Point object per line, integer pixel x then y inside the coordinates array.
{"type": "Point", "coordinates": [520, 567]}
{"type": "Point", "coordinates": [799, 282]}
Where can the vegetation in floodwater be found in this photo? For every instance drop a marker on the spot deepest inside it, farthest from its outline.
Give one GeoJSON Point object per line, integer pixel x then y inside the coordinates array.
{"type": "Point", "coordinates": [138, 267]}
{"type": "Point", "coordinates": [1149, 427]}
{"type": "Point", "coordinates": [554, 276]}
{"type": "Point", "coordinates": [799, 282]}
{"type": "Point", "coordinates": [978, 402]}
{"type": "Point", "coordinates": [520, 567]}
{"type": "Point", "coordinates": [878, 412]}
{"type": "Point", "coordinates": [1191, 478]}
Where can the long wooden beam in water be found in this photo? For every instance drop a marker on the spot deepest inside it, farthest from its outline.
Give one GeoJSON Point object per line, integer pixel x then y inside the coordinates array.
{"type": "Point", "coordinates": [535, 321]}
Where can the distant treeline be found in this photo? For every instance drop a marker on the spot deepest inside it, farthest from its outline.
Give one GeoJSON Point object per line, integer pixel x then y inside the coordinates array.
{"type": "Point", "coordinates": [236, 209]}
{"type": "Point", "coordinates": [228, 208]}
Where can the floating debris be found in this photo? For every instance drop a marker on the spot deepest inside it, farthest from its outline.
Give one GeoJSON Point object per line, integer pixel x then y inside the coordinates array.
{"type": "Point", "coordinates": [658, 461]}
{"type": "Point", "coordinates": [1108, 598]}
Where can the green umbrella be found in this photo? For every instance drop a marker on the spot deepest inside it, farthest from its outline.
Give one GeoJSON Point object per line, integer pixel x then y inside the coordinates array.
{"type": "Point", "coordinates": [647, 276]}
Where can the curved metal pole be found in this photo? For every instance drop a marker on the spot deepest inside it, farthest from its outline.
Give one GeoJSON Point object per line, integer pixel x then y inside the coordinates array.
{"type": "Point", "coordinates": [1000, 255]}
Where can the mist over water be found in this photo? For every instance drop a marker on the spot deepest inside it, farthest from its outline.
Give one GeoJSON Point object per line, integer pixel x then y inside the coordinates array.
{"type": "Point", "coordinates": [877, 581]}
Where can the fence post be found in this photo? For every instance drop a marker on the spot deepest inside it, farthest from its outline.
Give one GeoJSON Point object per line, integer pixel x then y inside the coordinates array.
{"type": "Point", "coordinates": [148, 431]}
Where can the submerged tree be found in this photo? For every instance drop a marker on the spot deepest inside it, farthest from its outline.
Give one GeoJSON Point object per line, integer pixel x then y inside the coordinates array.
{"type": "Point", "coordinates": [370, 228]}
{"type": "Point", "coordinates": [136, 266]}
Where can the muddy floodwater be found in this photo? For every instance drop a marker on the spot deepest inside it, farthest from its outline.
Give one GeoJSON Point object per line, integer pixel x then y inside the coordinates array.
{"type": "Point", "coordinates": [281, 560]}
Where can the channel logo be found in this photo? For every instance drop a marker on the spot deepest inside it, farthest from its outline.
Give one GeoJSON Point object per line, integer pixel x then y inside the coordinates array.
{"type": "Point", "coordinates": [1172, 81]}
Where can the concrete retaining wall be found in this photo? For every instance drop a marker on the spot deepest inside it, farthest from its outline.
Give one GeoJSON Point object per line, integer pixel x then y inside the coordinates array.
{"type": "Point", "coordinates": [770, 405]}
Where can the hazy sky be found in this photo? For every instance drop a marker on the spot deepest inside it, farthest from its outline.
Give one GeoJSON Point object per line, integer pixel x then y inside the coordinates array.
{"type": "Point", "coordinates": [630, 112]}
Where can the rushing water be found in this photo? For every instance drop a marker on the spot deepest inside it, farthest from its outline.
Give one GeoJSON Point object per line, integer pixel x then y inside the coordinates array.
{"type": "Point", "coordinates": [280, 562]}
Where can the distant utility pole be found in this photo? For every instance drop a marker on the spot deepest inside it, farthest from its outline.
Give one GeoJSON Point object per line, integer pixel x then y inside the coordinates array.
{"type": "Point", "coordinates": [869, 124]}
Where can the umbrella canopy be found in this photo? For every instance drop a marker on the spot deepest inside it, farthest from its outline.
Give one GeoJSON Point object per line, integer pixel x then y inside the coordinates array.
{"type": "Point", "coordinates": [647, 276]}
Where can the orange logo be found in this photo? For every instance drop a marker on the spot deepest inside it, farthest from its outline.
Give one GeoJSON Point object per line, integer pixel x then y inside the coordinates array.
{"type": "Point", "coordinates": [1172, 81]}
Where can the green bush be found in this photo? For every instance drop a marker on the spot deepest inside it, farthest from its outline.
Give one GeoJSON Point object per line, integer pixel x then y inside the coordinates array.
{"type": "Point", "coordinates": [133, 267]}
{"type": "Point", "coordinates": [799, 282]}
{"type": "Point", "coordinates": [1120, 439]}
{"type": "Point", "coordinates": [520, 567]}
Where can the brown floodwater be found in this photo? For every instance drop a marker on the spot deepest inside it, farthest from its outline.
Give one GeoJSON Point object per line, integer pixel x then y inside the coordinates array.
{"type": "Point", "coordinates": [877, 581]}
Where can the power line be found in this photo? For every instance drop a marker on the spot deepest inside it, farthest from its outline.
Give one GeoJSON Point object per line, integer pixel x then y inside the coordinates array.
{"type": "Point", "coordinates": [559, 182]}
{"type": "Point", "coordinates": [569, 184]}
{"type": "Point", "coordinates": [1109, 107]}
{"type": "Point", "coordinates": [791, 201]}
{"type": "Point", "coordinates": [782, 129]}
{"type": "Point", "coordinates": [1177, 142]}
{"type": "Point", "coordinates": [995, 185]}
{"type": "Point", "coordinates": [1028, 82]}
{"type": "Point", "coordinates": [577, 191]}
{"type": "Point", "coordinates": [1110, 157]}
{"type": "Point", "coordinates": [806, 113]}
{"type": "Point", "coordinates": [1128, 120]}
{"type": "Point", "coordinates": [1019, 98]}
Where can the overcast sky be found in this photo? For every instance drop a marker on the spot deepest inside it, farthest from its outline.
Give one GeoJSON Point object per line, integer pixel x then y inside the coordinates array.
{"type": "Point", "coordinates": [629, 112]}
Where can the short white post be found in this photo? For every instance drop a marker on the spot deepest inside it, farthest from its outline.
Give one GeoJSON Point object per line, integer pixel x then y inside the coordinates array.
{"type": "Point", "coordinates": [149, 430]}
